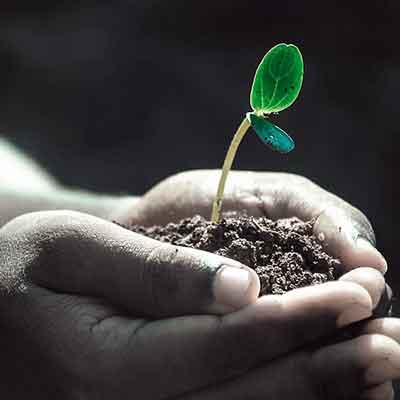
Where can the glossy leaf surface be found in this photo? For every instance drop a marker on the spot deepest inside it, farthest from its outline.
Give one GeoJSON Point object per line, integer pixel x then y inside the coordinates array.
{"type": "Point", "coordinates": [278, 79]}
{"type": "Point", "coordinates": [270, 134]}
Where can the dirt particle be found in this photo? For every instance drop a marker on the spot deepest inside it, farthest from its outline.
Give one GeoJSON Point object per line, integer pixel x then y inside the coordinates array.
{"type": "Point", "coordinates": [284, 253]}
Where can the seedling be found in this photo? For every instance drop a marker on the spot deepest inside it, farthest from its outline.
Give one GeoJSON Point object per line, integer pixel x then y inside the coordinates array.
{"type": "Point", "coordinates": [276, 85]}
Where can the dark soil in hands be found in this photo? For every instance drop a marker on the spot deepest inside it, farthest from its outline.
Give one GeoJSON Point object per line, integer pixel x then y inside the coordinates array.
{"type": "Point", "coordinates": [284, 253]}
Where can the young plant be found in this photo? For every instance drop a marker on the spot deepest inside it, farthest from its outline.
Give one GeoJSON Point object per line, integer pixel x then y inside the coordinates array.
{"type": "Point", "coordinates": [276, 85]}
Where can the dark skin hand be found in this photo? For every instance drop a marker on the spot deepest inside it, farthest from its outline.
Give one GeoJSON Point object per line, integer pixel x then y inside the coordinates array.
{"type": "Point", "coordinates": [275, 195]}
{"type": "Point", "coordinates": [90, 310]}
{"type": "Point", "coordinates": [345, 230]}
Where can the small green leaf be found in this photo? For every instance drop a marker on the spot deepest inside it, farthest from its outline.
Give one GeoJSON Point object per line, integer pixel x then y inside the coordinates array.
{"type": "Point", "coordinates": [278, 79]}
{"type": "Point", "coordinates": [270, 134]}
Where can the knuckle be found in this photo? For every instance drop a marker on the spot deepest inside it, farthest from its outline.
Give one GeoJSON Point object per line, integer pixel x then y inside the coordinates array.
{"type": "Point", "coordinates": [183, 176]}
{"type": "Point", "coordinates": [32, 244]}
{"type": "Point", "coordinates": [62, 224]}
{"type": "Point", "coordinates": [298, 180]}
{"type": "Point", "coordinates": [42, 227]}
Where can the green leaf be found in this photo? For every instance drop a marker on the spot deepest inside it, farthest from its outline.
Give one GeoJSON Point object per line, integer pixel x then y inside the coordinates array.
{"type": "Point", "coordinates": [270, 134]}
{"type": "Point", "coordinates": [278, 79]}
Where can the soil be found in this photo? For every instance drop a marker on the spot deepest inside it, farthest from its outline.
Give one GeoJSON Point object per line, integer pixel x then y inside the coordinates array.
{"type": "Point", "coordinates": [284, 253]}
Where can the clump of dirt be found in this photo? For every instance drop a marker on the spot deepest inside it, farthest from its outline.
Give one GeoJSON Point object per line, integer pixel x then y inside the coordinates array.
{"type": "Point", "coordinates": [284, 253]}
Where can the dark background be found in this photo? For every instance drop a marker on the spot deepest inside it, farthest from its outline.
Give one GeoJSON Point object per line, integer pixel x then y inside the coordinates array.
{"type": "Point", "coordinates": [114, 96]}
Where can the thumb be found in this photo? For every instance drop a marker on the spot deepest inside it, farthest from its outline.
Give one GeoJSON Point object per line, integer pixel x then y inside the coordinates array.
{"type": "Point", "coordinates": [81, 254]}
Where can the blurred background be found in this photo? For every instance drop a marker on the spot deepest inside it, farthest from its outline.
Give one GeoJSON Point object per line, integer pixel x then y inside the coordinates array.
{"type": "Point", "coordinates": [113, 96]}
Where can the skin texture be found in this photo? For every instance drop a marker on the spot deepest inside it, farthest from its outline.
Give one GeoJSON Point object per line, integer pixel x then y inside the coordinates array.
{"type": "Point", "coordinates": [276, 195]}
{"type": "Point", "coordinates": [89, 310]}
{"type": "Point", "coordinates": [98, 312]}
{"type": "Point", "coordinates": [79, 308]}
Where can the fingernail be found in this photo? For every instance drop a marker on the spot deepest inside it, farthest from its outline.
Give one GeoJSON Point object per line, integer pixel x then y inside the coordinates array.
{"type": "Point", "coordinates": [354, 313]}
{"type": "Point", "coordinates": [375, 258]}
{"type": "Point", "coordinates": [232, 286]}
{"type": "Point", "coordinates": [381, 371]}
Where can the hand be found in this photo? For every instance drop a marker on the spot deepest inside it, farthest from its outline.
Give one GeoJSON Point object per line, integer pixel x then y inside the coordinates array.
{"type": "Point", "coordinates": [89, 310]}
{"type": "Point", "coordinates": [346, 231]}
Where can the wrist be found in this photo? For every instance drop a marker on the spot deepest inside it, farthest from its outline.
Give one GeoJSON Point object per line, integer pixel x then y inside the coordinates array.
{"type": "Point", "coordinates": [14, 203]}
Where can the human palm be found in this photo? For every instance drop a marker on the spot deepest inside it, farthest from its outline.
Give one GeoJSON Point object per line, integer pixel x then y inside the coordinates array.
{"type": "Point", "coordinates": [90, 310]}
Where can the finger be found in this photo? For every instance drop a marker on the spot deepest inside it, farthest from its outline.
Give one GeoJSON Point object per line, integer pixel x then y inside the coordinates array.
{"type": "Point", "coordinates": [275, 195]}
{"type": "Point", "coordinates": [385, 326]}
{"type": "Point", "coordinates": [85, 255]}
{"type": "Point", "coordinates": [370, 279]}
{"type": "Point", "coordinates": [346, 231]}
{"type": "Point", "coordinates": [203, 350]}
{"type": "Point", "coordinates": [380, 292]}
{"type": "Point", "coordinates": [197, 351]}
{"type": "Point", "coordinates": [373, 359]}
{"type": "Point", "coordinates": [338, 372]}
{"type": "Point", "coordinates": [381, 392]}
{"type": "Point", "coordinates": [340, 237]}
{"type": "Point", "coordinates": [192, 352]}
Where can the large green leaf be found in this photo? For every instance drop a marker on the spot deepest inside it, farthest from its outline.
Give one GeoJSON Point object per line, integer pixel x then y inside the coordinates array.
{"type": "Point", "coordinates": [278, 79]}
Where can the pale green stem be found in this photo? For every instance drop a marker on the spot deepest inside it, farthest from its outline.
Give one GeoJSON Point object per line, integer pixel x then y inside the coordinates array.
{"type": "Point", "coordinates": [230, 156]}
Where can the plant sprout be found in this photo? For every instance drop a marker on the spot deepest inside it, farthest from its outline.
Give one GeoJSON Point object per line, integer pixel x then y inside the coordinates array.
{"type": "Point", "coordinates": [276, 85]}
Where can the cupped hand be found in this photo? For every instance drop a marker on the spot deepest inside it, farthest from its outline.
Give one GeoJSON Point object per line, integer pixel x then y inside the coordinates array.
{"type": "Point", "coordinates": [89, 310]}
{"type": "Point", "coordinates": [342, 228]}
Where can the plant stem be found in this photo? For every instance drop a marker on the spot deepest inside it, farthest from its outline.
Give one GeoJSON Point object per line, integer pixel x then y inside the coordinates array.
{"type": "Point", "coordinates": [230, 155]}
